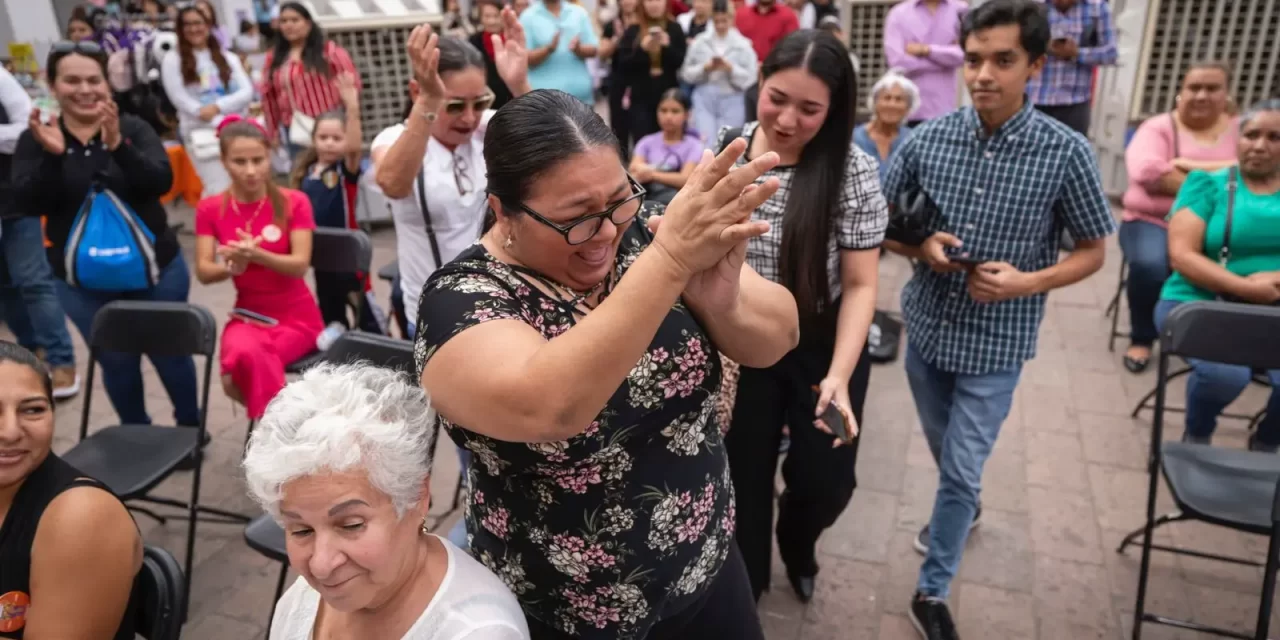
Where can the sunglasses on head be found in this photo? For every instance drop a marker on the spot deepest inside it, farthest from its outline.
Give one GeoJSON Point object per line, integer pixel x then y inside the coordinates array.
{"type": "Point", "coordinates": [84, 46]}
{"type": "Point", "coordinates": [457, 106]}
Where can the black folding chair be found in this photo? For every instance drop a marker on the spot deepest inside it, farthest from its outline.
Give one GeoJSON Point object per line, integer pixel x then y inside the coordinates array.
{"type": "Point", "coordinates": [1224, 487]}
{"type": "Point", "coordinates": [133, 459]}
{"type": "Point", "coordinates": [1148, 401]}
{"type": "Point", "coordinates": [159, 593]}
{"type": "Point", "coordinates": [263, 534]}
{"type": "Point", "coordinates": [1113, 307]}
{"type": "Point", "coordinates": [337, 251]}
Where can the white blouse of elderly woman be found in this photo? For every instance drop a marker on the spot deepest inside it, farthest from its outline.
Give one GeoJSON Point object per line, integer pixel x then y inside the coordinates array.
{"type": "Point", "coordinates": [893, 98]}
{"type": "Point", "coordinates": [341, 459]}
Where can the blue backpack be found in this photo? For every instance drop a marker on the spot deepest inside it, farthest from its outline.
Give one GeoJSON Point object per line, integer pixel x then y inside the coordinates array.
{"type": "Point", "coordinates": [109, 248]}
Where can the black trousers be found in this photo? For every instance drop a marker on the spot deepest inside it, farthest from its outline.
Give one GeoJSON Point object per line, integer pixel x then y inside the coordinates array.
{"type": "Point", "coordinates": [1076, 116]}
{"type": "Point", "coordinates": [334, 293]}
{"type": "Point", "coordinates": [819, 479]}
{"type": "Point", "coordinates": [726, 610]}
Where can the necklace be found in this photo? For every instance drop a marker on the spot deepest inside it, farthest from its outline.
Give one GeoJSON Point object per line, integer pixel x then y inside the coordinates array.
{"type": "Point", "coordinates": [248, 222]}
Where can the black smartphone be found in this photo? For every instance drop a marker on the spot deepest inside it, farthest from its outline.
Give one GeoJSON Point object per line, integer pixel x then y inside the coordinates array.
{"type": "Point", "coordinates": [964, 260]}
{"type": "Point", "coordinates": [834, 420]}
{"type": "Point", "coordinates": [245, 314]}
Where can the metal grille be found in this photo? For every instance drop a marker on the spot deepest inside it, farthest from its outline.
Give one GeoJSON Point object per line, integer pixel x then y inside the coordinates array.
{"type": "Point", "coordinates": [379, 55]}
{"type": "Point", "coordinates": [866, 39]}
{"type": "Point", "coordinates": [1243, 34]}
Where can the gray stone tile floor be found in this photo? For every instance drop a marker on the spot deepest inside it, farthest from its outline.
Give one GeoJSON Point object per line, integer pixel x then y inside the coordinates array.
{"type": "Point", "coordinates": [1066, 481]}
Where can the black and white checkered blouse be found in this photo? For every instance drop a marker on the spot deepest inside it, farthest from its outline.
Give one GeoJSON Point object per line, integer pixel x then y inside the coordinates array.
{"type": "Point", "coordinates": [858, 223]}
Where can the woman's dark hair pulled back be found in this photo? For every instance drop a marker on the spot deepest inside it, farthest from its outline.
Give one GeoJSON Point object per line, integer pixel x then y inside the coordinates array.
{"type": "Point", "coordinates": [531, 135]}
{"type": "Point", "coordinates": [17, 354]}
{"type": "Point", "coordinates": [814, 197]}
{"type": "Point", "coordinates": [312, 50]}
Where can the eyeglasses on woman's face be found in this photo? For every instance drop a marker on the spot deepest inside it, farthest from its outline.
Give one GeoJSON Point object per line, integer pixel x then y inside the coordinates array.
{"type": "Point", "coordinates": [586, 227]}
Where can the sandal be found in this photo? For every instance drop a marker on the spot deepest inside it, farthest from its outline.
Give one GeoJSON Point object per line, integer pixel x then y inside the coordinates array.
{"type": "Point", "coordinates": [1136, 365]}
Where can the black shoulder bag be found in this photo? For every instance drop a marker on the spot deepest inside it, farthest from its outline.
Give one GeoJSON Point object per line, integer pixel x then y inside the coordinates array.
{"type": "Point", "coordinates": [1224, 254]}
{"type": "Point", "coordinates": [426, 215]}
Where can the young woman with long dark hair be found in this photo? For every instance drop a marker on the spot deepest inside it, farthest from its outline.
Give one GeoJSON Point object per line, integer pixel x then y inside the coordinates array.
{"type": "Point", "coordinates": [827, 221]}
{"type": "Point", "coordinates": [301, 75]}
{"type": "Point", "coordinates": [204, 83]}
{"type": "Point", "coordinates": [259, 236]}
{"type": "Point", "coordinates": [652, 52]}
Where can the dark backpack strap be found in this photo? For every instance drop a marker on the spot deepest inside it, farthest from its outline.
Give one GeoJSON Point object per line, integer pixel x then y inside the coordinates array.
{"type": "Point", "coordinates": [729, 136]}
{"type": "Point", "coordinates": [426, 215]}
{"type": "Point", "coordinates": [1224, 254]}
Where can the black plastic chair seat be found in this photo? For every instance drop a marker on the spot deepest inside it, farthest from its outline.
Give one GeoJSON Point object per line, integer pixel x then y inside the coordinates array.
{"type": "Point", "coordinates": [305, 362]}
{"type": "Point", "coordinates": [1229, 487]}
{"type": "Point", "coordinates": [265, 536]}
{"type": "Point", "coordinates": [153, 453]}
{"type": "Point", "coordinates": [390, 271]}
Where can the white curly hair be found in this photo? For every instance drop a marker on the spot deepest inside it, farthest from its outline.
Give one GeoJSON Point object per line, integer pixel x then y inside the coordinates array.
{"type": "Point", "coordinates": [895, 78]}
{"type": "Point", "coordinates": [338, 417]}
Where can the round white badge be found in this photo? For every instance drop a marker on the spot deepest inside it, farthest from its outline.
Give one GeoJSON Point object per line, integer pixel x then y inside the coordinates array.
{"type": "Point", "coordinates": [271, 233]}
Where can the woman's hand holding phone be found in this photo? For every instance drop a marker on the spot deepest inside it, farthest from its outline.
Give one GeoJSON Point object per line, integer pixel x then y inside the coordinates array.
{"type": "Point", "coordinates": [832, 413]}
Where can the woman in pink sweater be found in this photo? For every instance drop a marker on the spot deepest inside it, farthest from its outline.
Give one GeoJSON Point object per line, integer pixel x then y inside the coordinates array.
{"type": "Point", "coordinates": [1199, 133]}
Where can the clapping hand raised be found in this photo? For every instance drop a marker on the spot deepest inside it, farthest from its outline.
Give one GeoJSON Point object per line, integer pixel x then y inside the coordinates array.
{"type": "Point", "coordinates": [709, 220]}
{"type": "Point", "coordinates": [511, 54]}
{"type": "Point", "coordinates": [48, 134]}
{"type": "Point", "coordinates": [424, 56]}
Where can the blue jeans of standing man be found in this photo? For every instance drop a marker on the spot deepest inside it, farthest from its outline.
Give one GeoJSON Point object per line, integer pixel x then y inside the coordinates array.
{"type": "Point", "coordinates": [1211, 386]}
{"type": "Point", "coordinates": [122, 372]}
{"type": "Point", "coordinates": [961, 416]}
{"type": "Point", "coordinates": [1146, 248]}
{"type": "Point", "coordinates": [31, 307]}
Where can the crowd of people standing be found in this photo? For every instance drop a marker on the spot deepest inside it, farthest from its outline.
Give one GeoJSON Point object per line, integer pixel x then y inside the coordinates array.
{"type": "Point", "coordinates": [581, 294]}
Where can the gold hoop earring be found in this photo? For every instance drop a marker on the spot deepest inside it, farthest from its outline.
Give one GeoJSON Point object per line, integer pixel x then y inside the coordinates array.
{"type": "Point", "coordinates": [425, 529]}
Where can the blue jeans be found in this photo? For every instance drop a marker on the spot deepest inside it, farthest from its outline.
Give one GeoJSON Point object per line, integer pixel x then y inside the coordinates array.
{"type": "Point", "coordinates": [1146, 248]}
{"type": "Point", "coordinates": [1211, 386]}
{"type": "Point", "coordinates": [715, 107]}
{"type": "Point", "coordinates": [961, 415]}
{"type": "Point", "coordinates": [122, 372]}
{"type": "Point", "coordinates": [31, 306]}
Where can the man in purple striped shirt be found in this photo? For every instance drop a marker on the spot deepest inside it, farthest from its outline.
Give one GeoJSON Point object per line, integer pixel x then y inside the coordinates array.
{"type": "Point", "coordinates": [922, 38]}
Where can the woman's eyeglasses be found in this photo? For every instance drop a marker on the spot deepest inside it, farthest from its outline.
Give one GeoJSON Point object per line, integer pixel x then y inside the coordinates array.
{"type": "Point", "coordinates": [84, 46]}
{"type": "Point", "coordinates": [586, 227]}
{"type": "Point", "coordinates": [457, 106]}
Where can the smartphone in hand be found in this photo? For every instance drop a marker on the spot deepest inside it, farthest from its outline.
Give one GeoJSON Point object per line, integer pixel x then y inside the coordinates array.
{"type": "Point", "coordinates": [834, 418]}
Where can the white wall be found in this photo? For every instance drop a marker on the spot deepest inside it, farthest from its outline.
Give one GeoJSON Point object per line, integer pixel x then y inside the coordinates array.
{"type": "Point", "coordinates": [30, 21]}
{"type": "Point", "coordinates": [227, 13]}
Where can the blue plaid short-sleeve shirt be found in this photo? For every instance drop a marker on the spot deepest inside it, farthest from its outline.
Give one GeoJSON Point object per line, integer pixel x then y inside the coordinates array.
{"type": "Point", "coordinates": [1008, 196]}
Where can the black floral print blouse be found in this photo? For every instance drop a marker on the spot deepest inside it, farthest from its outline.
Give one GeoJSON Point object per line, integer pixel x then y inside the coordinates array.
{"type": "Point", "coordinates": [604, 534]}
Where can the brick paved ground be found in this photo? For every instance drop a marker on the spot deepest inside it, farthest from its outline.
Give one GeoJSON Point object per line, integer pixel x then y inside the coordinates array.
{"type": "Point", "coordinates": [1065, 482]}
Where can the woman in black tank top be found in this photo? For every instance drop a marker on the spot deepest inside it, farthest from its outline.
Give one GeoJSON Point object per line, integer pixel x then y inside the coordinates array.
{"type": "Point", "coordinates": [69, 550]}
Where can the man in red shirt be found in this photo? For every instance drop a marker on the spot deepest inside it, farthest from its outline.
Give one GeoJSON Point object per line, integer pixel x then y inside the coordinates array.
{"type": "Point", "coordinates": [765, 24]}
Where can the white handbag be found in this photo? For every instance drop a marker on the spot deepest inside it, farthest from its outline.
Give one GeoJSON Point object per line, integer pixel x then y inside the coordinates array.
{"type": "Point", "coordinates": [202, 144]}
{"type": "Point", "coordinates": [301, 125]}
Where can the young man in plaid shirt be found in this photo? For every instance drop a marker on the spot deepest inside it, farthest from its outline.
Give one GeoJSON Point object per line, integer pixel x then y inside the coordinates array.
{"type": "Point", "coordinates": [1004, 181]}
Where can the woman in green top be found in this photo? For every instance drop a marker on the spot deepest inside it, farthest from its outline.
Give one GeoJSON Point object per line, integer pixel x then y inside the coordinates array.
{"type": "Point", "coordinates": [1250, 274]}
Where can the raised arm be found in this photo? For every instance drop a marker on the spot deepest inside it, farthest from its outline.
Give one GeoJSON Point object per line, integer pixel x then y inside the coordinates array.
{"type": "Point", "coordinates": [549, 390]}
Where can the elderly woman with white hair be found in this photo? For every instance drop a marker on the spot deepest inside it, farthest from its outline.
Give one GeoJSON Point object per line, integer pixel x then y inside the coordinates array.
{"type": "Point", "coordinates": [342, 460]}
{"type": "Point", "coordinates": [894, 97]}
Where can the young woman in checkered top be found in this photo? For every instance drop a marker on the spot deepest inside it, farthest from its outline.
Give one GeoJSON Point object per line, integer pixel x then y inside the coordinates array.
{"type": "Point", "coordinates": [827, 221]}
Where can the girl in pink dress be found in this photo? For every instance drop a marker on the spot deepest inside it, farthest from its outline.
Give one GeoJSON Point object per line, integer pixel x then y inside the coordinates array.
{"type": "Point", "coordinates": [259, 236]}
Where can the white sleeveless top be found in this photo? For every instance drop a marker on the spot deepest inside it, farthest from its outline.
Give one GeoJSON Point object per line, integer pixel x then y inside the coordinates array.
{"type": "Point", "coordinates": [471, 604]}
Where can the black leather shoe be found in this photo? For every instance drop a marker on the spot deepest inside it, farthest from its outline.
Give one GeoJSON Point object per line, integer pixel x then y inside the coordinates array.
{"type": "Point", "coordinates": [803, 586]}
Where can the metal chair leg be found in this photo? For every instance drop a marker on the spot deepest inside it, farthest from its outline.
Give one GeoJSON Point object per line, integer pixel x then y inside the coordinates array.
{"type": "Point", "coordinates": [1268, 587]}
{"type": "Point", "coordinates": [1113, 307]}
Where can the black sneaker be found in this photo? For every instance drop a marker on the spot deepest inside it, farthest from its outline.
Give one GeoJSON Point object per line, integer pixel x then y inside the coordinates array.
{"type": "Point", "coordinates": [921, 543]}
{"type": "Point", "coordinates": [931, 617]}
